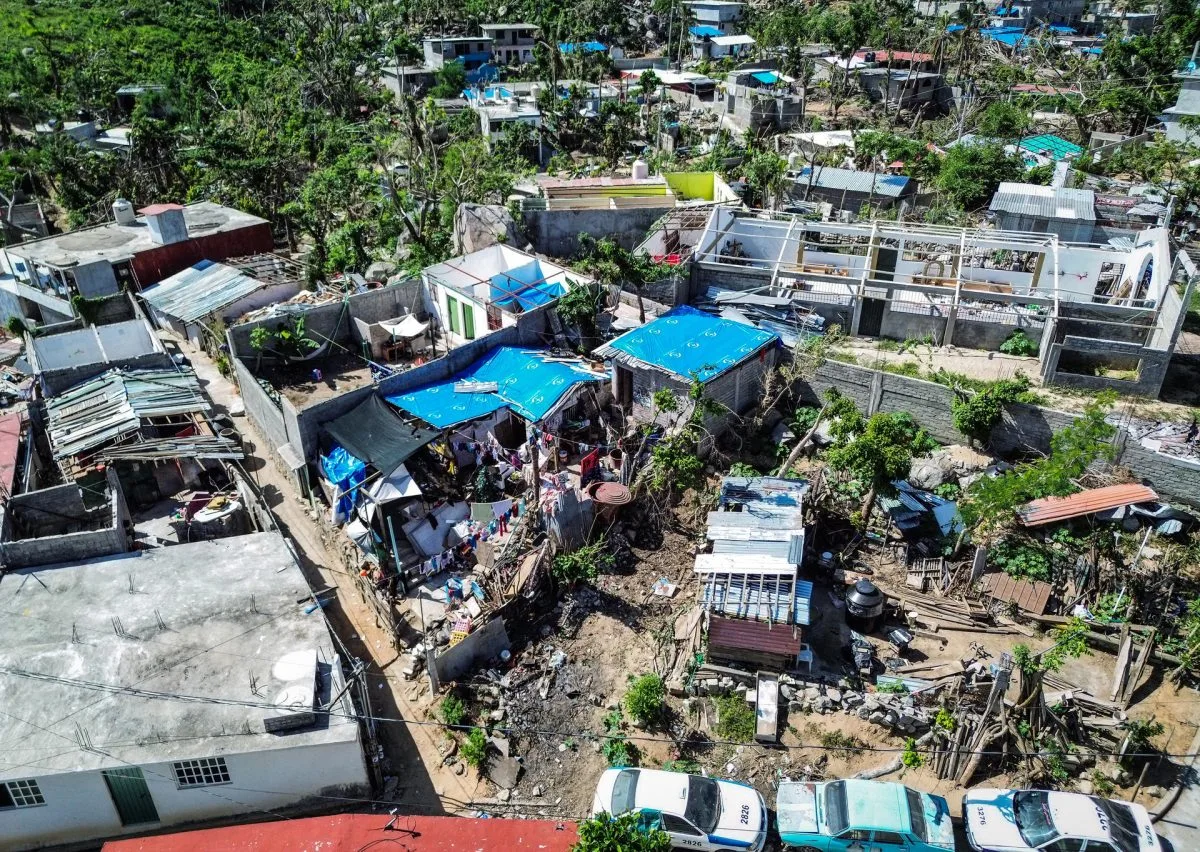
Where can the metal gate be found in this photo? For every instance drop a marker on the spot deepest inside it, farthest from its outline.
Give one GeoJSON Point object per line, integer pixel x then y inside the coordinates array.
{"type": "Point", "coordinates": [130, 795]}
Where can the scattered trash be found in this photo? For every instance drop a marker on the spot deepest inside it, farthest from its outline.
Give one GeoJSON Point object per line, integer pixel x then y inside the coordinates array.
{"type": "Point", "coordinates": [665, 588]}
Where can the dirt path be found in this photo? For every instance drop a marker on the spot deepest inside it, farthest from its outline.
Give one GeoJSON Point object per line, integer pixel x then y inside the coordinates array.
{"type": "Point", "coordinates": [411, 752]}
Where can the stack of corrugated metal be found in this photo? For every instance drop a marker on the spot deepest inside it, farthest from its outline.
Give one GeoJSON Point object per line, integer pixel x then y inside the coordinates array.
{"type": "Point", "coordinates": [788, 318]}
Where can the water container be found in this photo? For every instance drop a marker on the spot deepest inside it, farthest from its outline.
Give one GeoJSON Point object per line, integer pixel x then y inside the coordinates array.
{"type": "Point", "coordinates": [641, 171]}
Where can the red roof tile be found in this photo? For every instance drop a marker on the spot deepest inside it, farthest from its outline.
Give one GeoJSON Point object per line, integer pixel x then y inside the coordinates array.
{"type": "Point", "coordinates": [353, 832]}
{"type": "Point", "coordinates": [897, 55]}
{"type": "Point", "coordinates": [1051, 509]}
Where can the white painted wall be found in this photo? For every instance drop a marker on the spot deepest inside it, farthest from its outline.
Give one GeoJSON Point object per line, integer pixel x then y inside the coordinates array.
{"type": "Point", "coordinates": [79, 808]}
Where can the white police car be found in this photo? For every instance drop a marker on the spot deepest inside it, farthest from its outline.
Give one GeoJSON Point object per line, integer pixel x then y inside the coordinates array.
{"type": "Point", "coordinates": [1020, 820]}
{"type": "Point", "coordinates": [697, 812]}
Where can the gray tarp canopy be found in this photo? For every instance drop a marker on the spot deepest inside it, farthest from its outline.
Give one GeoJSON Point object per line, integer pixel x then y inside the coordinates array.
{"type": "Point", "coordinates": [375, 433]}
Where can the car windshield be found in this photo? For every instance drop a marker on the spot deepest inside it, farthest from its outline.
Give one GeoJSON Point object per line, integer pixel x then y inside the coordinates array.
{"type": "Point", "coordinates": [835, 807]}
{"type": "Point", "coordinates": [703, 803]}
{"type": "Point", "coordinates": [1121, 824]}
{"type": "Point", "coordinates": [624, 791]}
{"type": "Point", "coordinates": [1031, 810]}
{"type": "Point", "coordinates": [916, 813]}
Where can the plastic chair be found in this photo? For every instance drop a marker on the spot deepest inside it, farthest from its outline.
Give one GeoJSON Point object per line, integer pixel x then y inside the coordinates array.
{"type": "Point", "coordinates": [805, 656]}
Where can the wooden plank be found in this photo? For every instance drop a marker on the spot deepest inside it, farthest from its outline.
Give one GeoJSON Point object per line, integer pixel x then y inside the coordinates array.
{"type": "Point", "coordinates": [1131, 683]}
{"type": "Point", "coordinates": [1121, 672]}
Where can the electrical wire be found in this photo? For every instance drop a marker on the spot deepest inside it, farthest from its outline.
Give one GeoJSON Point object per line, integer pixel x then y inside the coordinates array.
{"type": "Point", "coordinates": [117, 689]}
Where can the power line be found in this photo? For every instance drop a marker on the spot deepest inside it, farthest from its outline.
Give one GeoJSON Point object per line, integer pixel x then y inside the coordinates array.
{"type": "Point", "coordinates": [117, 689]}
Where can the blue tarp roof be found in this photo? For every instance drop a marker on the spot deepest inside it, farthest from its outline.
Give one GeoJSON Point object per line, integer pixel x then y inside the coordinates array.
{"type": "Point", "coordinates": [705, 31]}
{"type": "Point", "coordinates": [583, 46]}
{"type": "Point", "coordinates": [523, 285]}
{"type": "Point", "coordinates": [1017, 40]}
{"type": "Point", "coordinates": [768, 77]}
{"type": "Point", "coordinates": [1059, 28]}
{"type": "Point", "coordinates": [956, 28]}
{"type": "Point", "coordinates": [528, 385]}
{"type": "Point", "coordinates": [688, 342]}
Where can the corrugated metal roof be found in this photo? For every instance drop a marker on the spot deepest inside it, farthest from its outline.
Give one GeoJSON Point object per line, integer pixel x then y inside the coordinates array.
{"type": "Point", "coordinates": [1030, 595]}
{"type": "Point", "coordinates": [200, 290]}
{"type": "Point", "coordinates": [1051, 509]}
{"type": "Point", "coordinates": [753, 636]}
{"type": "Point", "coordinates": [759, 598]}
{"type": "Point", "coordinates": [115, 403]}
{"type": "Point", "coordinates": [1045, 202]}
{"type": "Point", "coordinates": [849, 180]}
{"type": "Point", "coordinates": [1049, 145]}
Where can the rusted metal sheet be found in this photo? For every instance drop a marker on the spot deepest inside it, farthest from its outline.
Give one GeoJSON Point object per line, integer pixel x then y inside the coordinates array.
{"type": "Point", "coordinates": [154, 265]}
{"type": "Point", "coordinates": [736, 633]}
{"type": "Point", "coordinates": [1051, 509]}
{"type": "Point", "coordinates": [1030, 595]}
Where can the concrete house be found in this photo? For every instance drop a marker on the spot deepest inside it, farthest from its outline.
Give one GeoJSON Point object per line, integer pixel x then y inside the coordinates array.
{"type": "Point", "coordinates": [471, 51]}
{"type": "Point", "coordinates": [760, 99]}
{"type": "Point", "coordinates": [512, 44]}
{"type": "Point", "coordinates": [1103, 315]}
{"type": "Point", "coordinates": [39, 277]}
{"type": "Point", "coordinates": [1187, 106]}
{"type": "Point", "coordinates": [118, 738]}
{"type": "Point", "coordinates": [683, 345]}
{"type": "Point", "coordinates": [720, 15]}
{"type": "Point", "coordinates": [475, 294]}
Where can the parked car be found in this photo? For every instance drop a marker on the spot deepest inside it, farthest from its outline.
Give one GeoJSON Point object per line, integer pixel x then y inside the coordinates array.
{"type": "Point", "coordinates": [839, 816]}
{"type": "Point", "coordinates": [1020, 820]}
{"type": "Point", "coordinates": [697, 812]}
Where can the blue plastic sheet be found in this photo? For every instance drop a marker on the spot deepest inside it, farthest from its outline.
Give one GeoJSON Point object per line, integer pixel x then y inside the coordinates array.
{"type": "Point", "coordinates": [584, 47]}
{"type": "Point", "coordinates": [688, 343]}
{"type": "Point", "coordinates": [704, 31]}
{"type": "Point", "coordinates": [768, 77]}
{"type": "Point", "coordinates": [524, 286]}
{"type": "Point", "coordinates": [346, 472]}
{"type": "Point", "coordinates": [526, 383]}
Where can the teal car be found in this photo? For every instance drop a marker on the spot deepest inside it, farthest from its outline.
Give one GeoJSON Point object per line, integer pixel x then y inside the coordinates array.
{"type": "Point", "coordinates": [862, 816]}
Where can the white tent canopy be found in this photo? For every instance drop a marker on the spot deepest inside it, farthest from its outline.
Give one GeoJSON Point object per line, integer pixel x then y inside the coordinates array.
{"type": "Point", "coordinates": [404, 327]}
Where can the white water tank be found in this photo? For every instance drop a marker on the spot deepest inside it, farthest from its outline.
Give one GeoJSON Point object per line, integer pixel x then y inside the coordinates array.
{"type": "Point", "coordinates": [795, 161]}
{"type": "Point", "coordinates": [123, 212]}
{"type": "Point", "coordinates": [535, 91]}
{"type": "Point", "coordinates": [641, 171]}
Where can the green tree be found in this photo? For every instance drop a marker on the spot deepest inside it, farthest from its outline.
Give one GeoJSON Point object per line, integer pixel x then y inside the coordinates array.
{"type": "Point", "coordinates": [970, 174]}
{"type": "Point", "coordinates": [449, 81]}
{"type": "Point", "coordinates": [614, 266]}
{"type": "Point", "coordinates": [1003, 120]}
{"type": "Point", "coordinates": [764, 173]}
{"type": "Point", "coordinates": [624, 833]}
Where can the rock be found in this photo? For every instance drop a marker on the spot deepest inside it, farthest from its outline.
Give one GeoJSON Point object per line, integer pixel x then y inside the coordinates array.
{"type": "Point", "coordinates": [852, 699]}
{"type": "Point", "coordinates": [1085, 787]}
{"type": "Point", "coordinates": [459, 767]}
{"type": "Point", "coordinates": [538, 790]}
{"type": "Point", "coordinates": [787, 679]}
{"type": "Point", "coordinates": [480, 226]}
{"type": "Point", "coordinates": [562, 746]}
{"type": "Point", "coordinates": [786, 692]}
{"type": "Point", "coordinates": [1155, 792]}
{"type": "Point", "coordinates": [946, 464]}
{"type": "Point", "coordinates": [834, 695]}
{"type": "Point", "coordinates": [822, 704]}
{"type": "Point", "coordinates": [504, 795]}
{"type": "Point", "coordinates": [811, 693]}
{"type": "Point", "coordinates": [558, 659]}
{"type": "Point", "coordinates": [877, 718]}
{"type": "Point", "coordinates": [380, 271]}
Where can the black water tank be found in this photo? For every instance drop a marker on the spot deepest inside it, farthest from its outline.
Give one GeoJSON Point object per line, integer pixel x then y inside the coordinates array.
{"type": "Point", "coordinates": [864, 606]}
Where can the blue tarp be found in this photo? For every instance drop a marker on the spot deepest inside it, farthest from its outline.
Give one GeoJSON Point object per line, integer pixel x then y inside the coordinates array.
{"type": "Point", "coordinates": [956, 28]}
{"type": "Point", "coordinates": [688, 342]}
{"type": "Point", "coordinates": [1016, 40]}
{"type": "Point", "coordinates": [768, 77]}
{"type": "Point", "coordinates": [523, 285]}
{"type": "Point", "coordinates": [705, 31]}
{"type": "Point", "coordinates": [346, 473]}
{"type": "Point", "coordinates": [583, 47]}
{"type": "Point", "coordinates": [528, 385]}
{"type": "Point", "coordinates": [1059, 28]}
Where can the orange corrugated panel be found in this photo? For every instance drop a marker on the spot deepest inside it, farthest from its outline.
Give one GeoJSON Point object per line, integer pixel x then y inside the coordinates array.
{"type": "Point", "coordinates": [1051, 509]}
{"type": "Point", "coordinates": [1030, 595]}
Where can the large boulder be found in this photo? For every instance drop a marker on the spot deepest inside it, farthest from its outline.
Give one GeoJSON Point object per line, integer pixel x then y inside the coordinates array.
{"type": "Point", "coordinates": [946, 464]}
{"type": "Point", "coordinates": [480, 226]}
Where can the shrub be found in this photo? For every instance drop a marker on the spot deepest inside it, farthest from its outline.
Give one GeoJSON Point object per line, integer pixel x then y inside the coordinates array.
{"type": "Point", "coordinates": [607, 833]}
{"type": "Point", "coordinates": [585, 563]}
{"type": "Point", "coordinates": [646, 699]}
{"type": "Point", "coordinates": [1019, 343]}
{"type": "Point", "coordinates": [945, 720]}
{"type": "Point", "coordinates": [892, 687]}
{"type": "Point", "coordinates": [743, 469]}
{"type": "Point", "coordinates": [837, 741]}
{"type": "Point", "coordinates": [976, 416]}
{"type": "Point", "coordinates": [618, 752]}
{"type": "Point", "coordinates": [452, 710]}
{"type": "Point", "coordinates": [474, 748]}
{"type": "Point", "coordinates": [1021, 560]}
{"type": "Point", "coordinates": [735, 719]}
{"type": "Point", "coordinates": [912, 758]}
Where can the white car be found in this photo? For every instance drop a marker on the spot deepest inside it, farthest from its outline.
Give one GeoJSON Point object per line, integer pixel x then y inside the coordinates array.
{"type": "Point", "coordinates": [697, 812]}
{"type": "Point", "coordinates": [1020, 820]}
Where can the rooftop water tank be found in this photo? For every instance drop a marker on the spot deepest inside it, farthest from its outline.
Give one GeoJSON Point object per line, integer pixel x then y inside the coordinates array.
{"type": "Point", "coordinates": [641, 171]}
{"type": "Point", "coordinates": [123, 212]}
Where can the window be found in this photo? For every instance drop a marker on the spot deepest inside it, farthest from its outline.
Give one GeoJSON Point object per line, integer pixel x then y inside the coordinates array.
{"type": "Point", "coordinates": [20, 794]}
{"type": "Point", "coordinates": [624, 791]}
{"type": "Point", "coordinates": [855, 834]}
{"type": "Point", "coordinates": [703, 803]}
{"type": "Point", "coordinates": [889, 837]}
{"type": "Point", "coordinates": [1064, 844]}
{"type": "Point", "coordinates": [198, 773]}
{"type": "Point", "coordinates": [835, 806]}
{"type": "Point", "coordinates": [678, 825]}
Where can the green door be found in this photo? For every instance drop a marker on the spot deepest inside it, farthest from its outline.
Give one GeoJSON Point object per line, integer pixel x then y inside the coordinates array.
{"type": "Point", "coordinates": [452, 311]}
{"type": "Point", "coordinates": [468, 321]}
{"type": "Point", "coordinates": [130, 795]}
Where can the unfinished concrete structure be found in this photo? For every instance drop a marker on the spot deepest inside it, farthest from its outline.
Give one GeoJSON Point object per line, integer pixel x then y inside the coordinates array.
{"type": "Point", "coordinates": [74, 355]}
{"type": "Point", "coordinates": [1102, 315]}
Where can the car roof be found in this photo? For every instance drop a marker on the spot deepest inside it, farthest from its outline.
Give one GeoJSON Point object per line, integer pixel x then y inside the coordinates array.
{"type": "Point", "coordinates": [662, 791]}
{"type": "Point", "coordinates": [878, 805]}
{"type": "Point", "coordinates": [1077, 815]}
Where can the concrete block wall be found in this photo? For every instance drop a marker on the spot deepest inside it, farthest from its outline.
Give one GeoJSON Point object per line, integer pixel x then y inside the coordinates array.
{"type": "Point", "coordinates": [482, 645]}
{"type": "Point", "coordinates": [50, 547]}
{"type": "Point", "coordinates": [261, 409]}
{"type": "Point", "coordinates": [1023, 429]}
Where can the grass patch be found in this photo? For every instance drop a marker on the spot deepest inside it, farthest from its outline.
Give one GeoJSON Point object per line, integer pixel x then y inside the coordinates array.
{"type": "Point", "coordinates": [841, 743]}
{"type": "Point", "coordinates": [735, 719]}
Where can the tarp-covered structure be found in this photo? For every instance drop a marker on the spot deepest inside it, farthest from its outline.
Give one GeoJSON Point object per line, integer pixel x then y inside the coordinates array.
{"type": "Point", "coordinates": [689, 343]}
{"type": "Point", "coordinates": [528, 382]}
{"type": "Point", "coordinates": [523, 288]}
{"type": "Point", "coordinates": [374, 433]}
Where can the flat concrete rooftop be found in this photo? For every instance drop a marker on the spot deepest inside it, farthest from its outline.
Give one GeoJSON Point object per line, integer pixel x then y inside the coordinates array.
{"type": "Point", "coordinates": [115, 243]}
{"type": "Point", "coordinates": [228, 611]}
